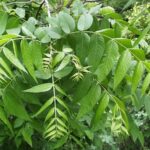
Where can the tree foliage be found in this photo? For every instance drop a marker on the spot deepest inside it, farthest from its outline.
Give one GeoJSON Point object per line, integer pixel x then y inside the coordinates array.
{"type": "Point", "coordinates": [72, 74]}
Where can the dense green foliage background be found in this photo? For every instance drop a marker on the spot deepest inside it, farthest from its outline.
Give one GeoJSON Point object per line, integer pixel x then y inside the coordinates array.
{"type": "Point", "coordinates": [74, 75]}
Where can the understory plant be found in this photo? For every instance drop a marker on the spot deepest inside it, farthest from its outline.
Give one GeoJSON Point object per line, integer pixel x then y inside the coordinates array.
{"type": "Point", "coordinates": [73, 77]}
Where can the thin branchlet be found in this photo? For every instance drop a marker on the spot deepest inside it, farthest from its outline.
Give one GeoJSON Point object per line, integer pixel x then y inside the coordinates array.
{"type": "Point", "coordinates": [48, 8]}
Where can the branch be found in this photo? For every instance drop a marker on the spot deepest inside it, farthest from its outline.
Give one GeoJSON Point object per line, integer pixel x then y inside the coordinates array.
{"type": "Point", "coordinates": [90, 1]}
{"type": "Point", "coordinates": [38, 11]}
{"type": "Point", "coordinates": [25, 2]}
{"type": "Point", "coordinates": [48, 8]}
{"type": "Point", "coordinates": [69, 3]}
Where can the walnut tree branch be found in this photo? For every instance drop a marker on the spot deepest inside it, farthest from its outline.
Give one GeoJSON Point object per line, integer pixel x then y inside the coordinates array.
{"type": "Point", "coordinates": [38, 11]}
{"type": "Point", "coordinates": [48, 8]}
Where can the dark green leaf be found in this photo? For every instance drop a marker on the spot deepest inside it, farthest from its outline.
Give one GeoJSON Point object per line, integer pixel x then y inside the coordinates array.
{"type": "Point", "coordinates": [14, 105]}
{"type": "Point", "coordinates": [122, 67]}
{"type": "Point", "coordinates": [89, 101]}
{"type": "Point", "coordinates": [96, 51]}
{"type": "Point", "coordinates": [139, 70]}
{"type": "Point", "coordinates": [108, 61]}
{"type": "Point", "coordinates": [99, 112]}
{"type": "Point", "coordinates": [27, 57]}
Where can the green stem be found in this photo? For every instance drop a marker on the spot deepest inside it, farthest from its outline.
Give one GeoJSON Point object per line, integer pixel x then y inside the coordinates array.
{"type": "Point", "coordinates": [55, 103]}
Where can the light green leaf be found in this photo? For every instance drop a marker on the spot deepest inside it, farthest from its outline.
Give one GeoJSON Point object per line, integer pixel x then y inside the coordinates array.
{"type": "Point", "coordinates": [58, 58]}
{"type": "Point", "coordinates": [41, 74]}
{"type": "Point", "coordinates": [5, 38]}
{"type": "Point", "coordinates": [53, 21]}
{"type": "Point", "coordinates": [99, 112]}
{"type": "Point", "coordinates": [62, 129]}
{"type": "Point", "coordinates": [13, 27]}
{"type": "Point", "coordinates": [119, 103]}
{"type": "Point", "coordinates": [122, 67]}
{"type": "Point", "coordinates": [85, 22]}
{"type": "Point", "coordinates": [61, 122]}
{"type": "Point", "coordinates": [95, 10]}
{"type": "Point", "coordinates": [67, 23]}
{"type": "Point", "coordinates": [20, 12]}
{"type": "Point", "coordinates": [124, 42]}
{"type": "Point", "coordinates": [28, 28]}
{"type": "Point", "coordinates": [27, 134]}
{"type": "Point", "coordinates": [138, 54]}
{"type": "Point", "coordinates": [89, 101]}
{"type": "Point", "coordinates": [50, 123]}
{"type": "Point", "coordinates": [15, 48]}
{"type": "Point", "coordinates": [67, 49]}
{"type": "Point", "coordinates": [50, 129]}
{"type": "Point", "coordinates": [6, 67]}
{"type": "Point", "coordinates": [50, 134]}
{"type": "Point", "coordinates": [54, 33]}
{"type": "Point", "coordinates": [138, 72]}
{"type": "Point", "coordinates": [14, 60]}
{"type": "Point", "coordinates": [3, 22]}
{"type": "Point", "coordinates": [50, 114]}
{"type": "Point", "coordinates": [60, 101]}
{"type": "Point", "coordinates": [42, 35]}
{"type": "Point", "coordinates": [62, 114]}
{"type": "Point", "coordinates": [45, 106]}
{"type": "Point", "coordinates": [40, 88]}
{"type": "Point", "coordinates": [146, 83]}
{"type": "Point", "coordinates": [64, 63]}
{"type": "Point", "coordinates": [107, 10]}
{"type": "Point", "coordinates": [64, 72]}
{"type": "Point", "coordinates": [59, 89]}
{"type": "Point", "coordinates": [108, 61]}
{"type": "Point", "coordinates": [2, 72]}
{"type": "Point", "coordinates": [27, 58]}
